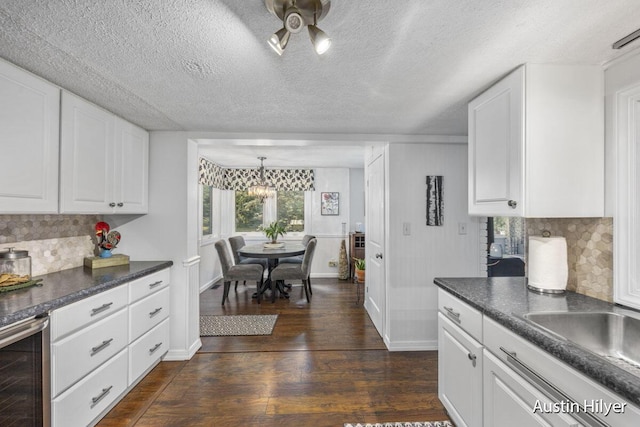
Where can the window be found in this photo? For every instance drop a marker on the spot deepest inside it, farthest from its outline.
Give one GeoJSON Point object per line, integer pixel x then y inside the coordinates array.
{"type": "Point", "coordinates": [207, 210]}
{"type": "Point", "coordinates": [286, 206]}
{"type": "Point", "coordinates": [290, 210]}
{"type": "Point", "coordinates": [249, 212]}
{"type": "Point", "coordinates": [508, 232]}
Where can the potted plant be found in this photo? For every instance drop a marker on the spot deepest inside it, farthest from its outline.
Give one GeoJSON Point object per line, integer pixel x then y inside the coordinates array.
{"type": "Point", "coordinates": [273, 230]}
{"type": "Point", "coordinates": [359, 265]}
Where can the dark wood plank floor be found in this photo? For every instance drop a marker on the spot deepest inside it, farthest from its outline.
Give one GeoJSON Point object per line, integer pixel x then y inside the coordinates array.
{"type": "Point", "coordinates": [324, 365]}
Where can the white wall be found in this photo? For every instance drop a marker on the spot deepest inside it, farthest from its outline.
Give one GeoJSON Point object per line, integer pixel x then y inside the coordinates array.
{"type": "Point", "coordinates": [413, 261]}
{"type": "Point", "coordinates": [163, 234]}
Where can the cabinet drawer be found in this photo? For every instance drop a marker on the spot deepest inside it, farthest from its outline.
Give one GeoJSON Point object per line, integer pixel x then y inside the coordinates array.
{"type": "Point", "coordinates": [461, 313]}
{"type": "Point", "coordinates": [78, 354]}
{"type": "Point", "coordinates": [144, 352]}
{"type": "Point", "coordinates": [85, 401]}
{"type": "Point", "coordinates": [147, 285]}
{"type": "Point", "coordinates": [560, 375]}
{"type": "Point", "coordinates": [508, 397]}
{"type": "Point", "coordinates": [147, 313]}
{"type": "Point", "coordinates": [82, 313]}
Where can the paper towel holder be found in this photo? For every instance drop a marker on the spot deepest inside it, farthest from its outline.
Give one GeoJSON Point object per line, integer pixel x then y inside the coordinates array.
{"type": "Point", "coordinates": [551, 291]}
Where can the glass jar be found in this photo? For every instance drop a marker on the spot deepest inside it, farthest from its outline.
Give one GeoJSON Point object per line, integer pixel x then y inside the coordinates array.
{"type": "Point", "coordinates": [15, 263]}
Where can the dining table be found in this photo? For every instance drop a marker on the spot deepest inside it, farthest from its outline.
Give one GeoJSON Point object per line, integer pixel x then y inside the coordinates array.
{"type": "Point", "coordinates": [273, 256]}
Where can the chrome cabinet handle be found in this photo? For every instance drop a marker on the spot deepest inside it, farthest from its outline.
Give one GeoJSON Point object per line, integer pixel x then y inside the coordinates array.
{"type": "Point", "coordinates": [154, 284]}
{"type": "Point", "coordinates": [112, 205]}
{"type": "Point", "coordinates": [98, 398]}
{"type": "Point", "coordinates": [155, 347]}
{"type": "Point", "coordinates": [100, 309]}
{"type": "Point", "coordinates": [452, 314]}
{"type": "Point", "coordinates": [473, 358]}
{"type": "Point", "coordinates": [156, 311]}
{"type": "Point", "coordinates": [512, 204]}
{"type": "Point", "coordinates": [97, 349]}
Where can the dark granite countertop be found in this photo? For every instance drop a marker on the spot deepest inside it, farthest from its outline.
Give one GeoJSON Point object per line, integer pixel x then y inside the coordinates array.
{"type": "Point", "coordinates": [504, 299]}
{"type": "Point", "coordinates": [67, 286]}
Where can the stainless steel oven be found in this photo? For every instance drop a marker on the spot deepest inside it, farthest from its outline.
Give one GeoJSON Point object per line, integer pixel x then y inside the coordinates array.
{"type": "Point", "coordinates": [25, 394]}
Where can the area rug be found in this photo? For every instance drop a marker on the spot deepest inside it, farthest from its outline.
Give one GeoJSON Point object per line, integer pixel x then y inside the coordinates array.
{"type": "Point", "coordinates": [413, 424]}
{"type": "Point", "coordinates": [219, 326]}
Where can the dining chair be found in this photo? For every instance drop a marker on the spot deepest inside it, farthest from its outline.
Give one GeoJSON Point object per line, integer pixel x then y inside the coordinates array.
{"type": "Point", "coordinates": [298, 258]}
{"type": "Point", "coordinates": [232, 271]}
{"type": "Point", "coordinates": [290, 271]}
{"type": "Point", "coordinates": [237, 242]}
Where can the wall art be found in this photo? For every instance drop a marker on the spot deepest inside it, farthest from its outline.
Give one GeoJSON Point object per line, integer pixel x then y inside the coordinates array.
{"type": "Point", "coordinates": [329, 203]}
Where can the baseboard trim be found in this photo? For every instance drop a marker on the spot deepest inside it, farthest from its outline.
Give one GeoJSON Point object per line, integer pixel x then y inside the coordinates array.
{"type": "Point", "coordinates": [180, 355]}
{"type": "Point", "coordinates": [428, 345]}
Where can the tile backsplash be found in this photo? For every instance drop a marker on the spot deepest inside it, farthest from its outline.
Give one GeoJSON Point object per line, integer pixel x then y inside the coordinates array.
{"type": "Point", "coordinates": [19, 228]}
{"type": "Point", "coordinates": [590, 256]}
{"type": "Point", "coordinates": [54, 242]}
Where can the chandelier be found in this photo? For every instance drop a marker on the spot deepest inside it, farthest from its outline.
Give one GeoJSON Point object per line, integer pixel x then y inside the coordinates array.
{"type": "Point", "coordinates": [262, 189]}
{"type": "Point", "coordinates": [295, 15]}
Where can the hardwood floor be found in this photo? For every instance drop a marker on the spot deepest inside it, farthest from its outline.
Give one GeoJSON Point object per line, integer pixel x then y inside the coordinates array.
{"type": "Point", "coordinates": [324, 365]}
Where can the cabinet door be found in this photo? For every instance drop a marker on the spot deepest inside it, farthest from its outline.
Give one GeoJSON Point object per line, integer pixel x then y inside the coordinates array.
{"type": "Point", "coordinates": [496, 138]}
{"type": "Point", "coordinates": [131, 168]}
{"type": "Point", "coordinates": [29, 135]}
{"type": "Point", "coordinates": [86, 159]}
{"type": "Point", "coordinates": [459, 374]}
{"type": "Point", "coordinates": [508, 397]}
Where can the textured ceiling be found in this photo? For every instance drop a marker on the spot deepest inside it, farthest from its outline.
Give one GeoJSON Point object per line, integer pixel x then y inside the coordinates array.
{"type": "Point", "coordinates": [404, 67]}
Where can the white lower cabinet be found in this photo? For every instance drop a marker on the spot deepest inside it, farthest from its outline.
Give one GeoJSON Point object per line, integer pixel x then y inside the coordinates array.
{"type": "Point", "coordinates": [509, 398]}
{"type": "Point", "coordinates": [75, 356]}
{"type": "Point", "coordinates": [513, 382]}
{"type": "Point", "coordinates": [103, 345]}
{"type": "Point", "coordinates": [459, 374]}
{"type": "Point", "coordinates": [86, 400]}
{"type": "Point", "coordinates": [147, 350]}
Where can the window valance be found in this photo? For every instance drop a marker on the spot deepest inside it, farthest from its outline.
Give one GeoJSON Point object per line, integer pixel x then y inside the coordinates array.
{"type": "Point", "coordinates": [241, 179]}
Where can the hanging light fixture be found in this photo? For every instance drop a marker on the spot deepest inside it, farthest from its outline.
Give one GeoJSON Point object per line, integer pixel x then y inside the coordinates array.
{"type": "Point", "coordinates": [262, 189]}
{"type": "Point", "coordinates": [295, 15]}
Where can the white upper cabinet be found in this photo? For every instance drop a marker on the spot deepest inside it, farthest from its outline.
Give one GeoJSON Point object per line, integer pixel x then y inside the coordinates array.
{"type": "Point", "coordinates": [536, 144]}
{"type": "Point", "coordinates": [104, 161]}
{"type": "Point", "coordinates": [131, 168]}
{"type": "Point", "coordinates": [29, 140]}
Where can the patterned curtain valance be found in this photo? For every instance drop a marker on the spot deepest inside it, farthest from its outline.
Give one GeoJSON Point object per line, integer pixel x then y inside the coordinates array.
{"type": "Point", "coordinates": [241, 179]}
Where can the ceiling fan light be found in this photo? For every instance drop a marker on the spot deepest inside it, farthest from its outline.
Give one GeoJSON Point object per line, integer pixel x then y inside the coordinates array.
{"type": "Point", "coordinates": [321, 42]}
{"type": "Point", "coordinates": [278, 40]}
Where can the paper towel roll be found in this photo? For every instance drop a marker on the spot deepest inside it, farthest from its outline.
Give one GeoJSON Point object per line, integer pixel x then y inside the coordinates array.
{"type": "Point", "coordinates": [547, 266]}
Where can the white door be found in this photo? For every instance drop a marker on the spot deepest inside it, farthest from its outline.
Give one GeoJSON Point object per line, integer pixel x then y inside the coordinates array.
{"type": "Point", "coordinates": [375, 286]}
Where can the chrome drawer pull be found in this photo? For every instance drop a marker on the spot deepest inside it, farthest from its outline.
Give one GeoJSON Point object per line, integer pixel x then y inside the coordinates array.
{"type": "Point", "coordinates": [473, 358]}
{"type": "Point", "coordinates": [97, 349]}
{"type": "Point", "coordinates": [155, 347]}
{"type": "Point", "coordinates": [98, 398]}
{"type": "Point", "coordinates": [550, 390]}
{"type": "Point", "coordinates": [100, 309]}
{"type": "Point", "coordinates": [156, 311]}
{"type": "Point", "coordinates": [455, 316]}
{"type": "Point", "coordinates": [154, 284]}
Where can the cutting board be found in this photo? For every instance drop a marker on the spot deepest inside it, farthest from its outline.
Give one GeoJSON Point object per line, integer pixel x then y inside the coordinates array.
{"type": "Point", "coordinates": [97, 262]}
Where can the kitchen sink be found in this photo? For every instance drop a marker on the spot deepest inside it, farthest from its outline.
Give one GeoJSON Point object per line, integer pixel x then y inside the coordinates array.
{"type": "Point", "coordinates": [616, 337]}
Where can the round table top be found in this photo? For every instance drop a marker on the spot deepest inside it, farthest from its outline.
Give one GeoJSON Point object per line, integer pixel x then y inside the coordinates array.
{"type": "Point", "coordinates": [259, 251]}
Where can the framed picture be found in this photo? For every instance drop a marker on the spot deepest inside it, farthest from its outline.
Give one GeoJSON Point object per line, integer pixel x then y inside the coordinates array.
{"type": "Point", "coordinates": [329, 203]}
